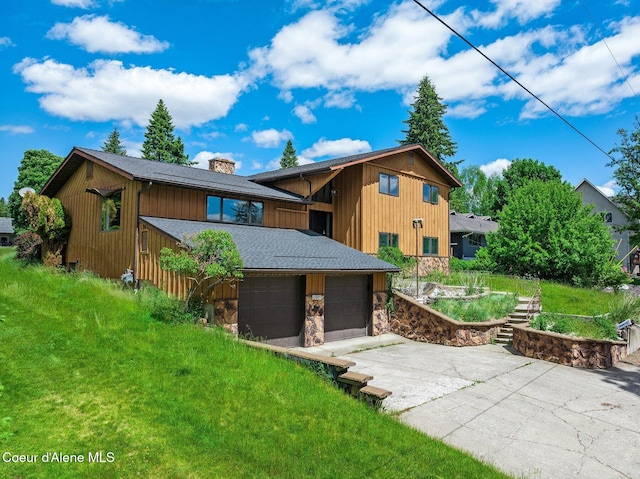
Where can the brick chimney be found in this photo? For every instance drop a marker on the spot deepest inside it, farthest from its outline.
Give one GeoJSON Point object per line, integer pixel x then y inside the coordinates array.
{"type": "Point", "coordinates": [220, 165]}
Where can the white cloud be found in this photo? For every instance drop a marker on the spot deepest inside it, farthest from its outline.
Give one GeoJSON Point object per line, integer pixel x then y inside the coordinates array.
{"type": "Point", "coordinates": [6, 42]}
{"type": "Point", "coordinates": [495, 167]}
{"type": "Point", "coordinates": [608, 189]}
{"type": "Point", "coordinates": [84, 4]}
{"type": "Point", "coordinates": [99, 34]}
{"type": "Point", "coordinates": [201, 160]}
{"type": "Point", "coordinates": [336, 148]}
{"type": "Point", "coordinates": [107, 90]}
{"type": "Point", "coordinates": [304, 113]}
{"type": "Point", "coordinates": [571, 71]}
{"type": "Point", "coordinates": [256, 165]}
{"type": "Point", "coordinates": [521, 10]}
{"type": "Point", "coordinates": [270, 138]}
{"type": "Point", "coordinates": [240, 127]}
{"type": "Point", "coordinates": [17, 129]}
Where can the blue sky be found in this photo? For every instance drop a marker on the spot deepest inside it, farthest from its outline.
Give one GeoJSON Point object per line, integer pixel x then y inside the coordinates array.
{"type": "Point", "coordinates": [335, 77]}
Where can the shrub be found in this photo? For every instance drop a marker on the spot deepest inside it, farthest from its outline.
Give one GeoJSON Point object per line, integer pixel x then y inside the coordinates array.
{"type": "Point", "coordinates": [28, 247]}
{"type": "Point", "coordinates": [394, 255]}
{"type": "Point", "coordinates": [168, 309]}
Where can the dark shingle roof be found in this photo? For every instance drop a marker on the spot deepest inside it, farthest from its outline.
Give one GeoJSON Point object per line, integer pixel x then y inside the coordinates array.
{"type": "Point", "coordinates": [6, 225]}
{"type": "Point", "coordinates": [278, 249]}
{"type": "Point", "coordinates": [469, 223]}
{"type": "Point", "coordinates": [167, 173]}
{"type": "Point", "coordinates": [337, 162]}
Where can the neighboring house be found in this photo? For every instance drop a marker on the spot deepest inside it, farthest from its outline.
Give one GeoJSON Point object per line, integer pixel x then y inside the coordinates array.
{"type": "Point", "coordinates": [468, 233]}
{"type": "Point", "coordinates": [371, 200]}
{"type": "Point", "coordinates": [611, 215]}
{"type": "Point", "coordinates": [6, 231]}
{"type": "Point", "coordinates": [298, 288]}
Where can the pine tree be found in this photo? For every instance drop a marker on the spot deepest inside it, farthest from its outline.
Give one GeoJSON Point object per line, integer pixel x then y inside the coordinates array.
{"type": "Point", "coordinates": [289, 158]}
{"type": "Point", "coordinates": [4, 208]}
{"type": "Point", "coordinates": [113, 144]}
{"type": "Point", "coordinates": [426, 125]}
{"type": "Point", "coordinates": [160, 143]}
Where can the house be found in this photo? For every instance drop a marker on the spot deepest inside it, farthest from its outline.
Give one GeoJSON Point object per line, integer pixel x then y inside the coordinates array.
{"type": "Point", "coordinates": [468, 233]}
{"type": "Point", "coordinates": [393, 197]}
{"type": "Point", "coordinates": [6, 231]}
{"type": "Point", "coordinates": [611, 215]}
{"type": "Point", "coordinates": [299, 287]}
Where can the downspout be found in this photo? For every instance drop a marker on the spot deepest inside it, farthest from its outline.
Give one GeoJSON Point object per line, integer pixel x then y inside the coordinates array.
{"type": "Point", "coordinates": [137, 236]}
{"type": "Point", "coordinates": [308, 181]}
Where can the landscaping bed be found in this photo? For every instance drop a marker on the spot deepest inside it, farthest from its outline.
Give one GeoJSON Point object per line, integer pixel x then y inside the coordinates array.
{"type": "Point", "coordinates": [487, 308]}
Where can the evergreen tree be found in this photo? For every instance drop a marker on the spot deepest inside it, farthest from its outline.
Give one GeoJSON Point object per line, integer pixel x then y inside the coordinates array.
{"type": "Point", "coordinates": [627, 176]}
{"type": "Point", "coordinates": [4, 208]}
{"type": "Point", "coordinates": [425, 125]}
{"type": "Point", "coordinates": [34, 171]}
{"type": "Point", "coordinates": [289, 158]}
{"type": "Point", "coordinates": [160, 143]}
{"type": "Point", "coordinates": [113, 144]}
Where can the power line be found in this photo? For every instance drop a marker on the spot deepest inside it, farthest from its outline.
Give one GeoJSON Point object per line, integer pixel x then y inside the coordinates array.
{"type": "Point", "coordinates": [513, 79]}
{"type": "Point", "coordinates": [624, 77]}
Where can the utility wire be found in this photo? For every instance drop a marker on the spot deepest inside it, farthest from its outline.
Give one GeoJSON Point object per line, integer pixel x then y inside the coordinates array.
{"type": "Point", "coordinates": [625, 77]}
{"type": "Point", "coordinates": [513, 79]}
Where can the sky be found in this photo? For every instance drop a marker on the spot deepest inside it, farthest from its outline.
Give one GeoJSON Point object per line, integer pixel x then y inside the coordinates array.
{"type": "Point", "coordinates": [336, 78]}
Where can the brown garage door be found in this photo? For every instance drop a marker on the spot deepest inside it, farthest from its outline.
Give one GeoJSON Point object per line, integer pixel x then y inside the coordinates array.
{"type": "Point", "coordinates": [271, 307]}
{"type": "Point", "coordinates": [347, 306]}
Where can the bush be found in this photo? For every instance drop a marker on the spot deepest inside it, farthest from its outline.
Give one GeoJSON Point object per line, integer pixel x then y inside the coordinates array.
{"type": "Point", "coordinates": [393, 255]}
{"type": "Point", "coordinates": [168, 309]}
{"type": "Point", "coordinates": [28, 247]}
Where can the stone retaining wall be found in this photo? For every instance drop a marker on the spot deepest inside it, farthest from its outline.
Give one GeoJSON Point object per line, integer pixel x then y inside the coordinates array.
{"type": "Point", "coordinates": [419, 322]}
{"type": "Point", "coordinates": [567, 350]}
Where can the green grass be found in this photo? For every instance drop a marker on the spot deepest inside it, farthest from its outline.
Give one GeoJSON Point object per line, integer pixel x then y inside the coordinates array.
{"type": "Point", "coordinates": [84, 369]}
{"type": "Point", "coordinates": [561, 298]}
{"type": "Point", "coordinates": [495, 306]}
{"type": "Point", "coordinates": [600, 327]}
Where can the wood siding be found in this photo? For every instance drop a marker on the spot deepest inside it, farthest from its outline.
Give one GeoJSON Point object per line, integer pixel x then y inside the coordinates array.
{"type": "Point", "coordinates": [347, 207]}
{"type": "Point", "coordinates": [175, 202]}
{"type": "Point", "coordinates": [315, 284]}
{"type": "Point", "coordinates": [106, 253]}
{"type": "Point", "coordinates": [394, 214]}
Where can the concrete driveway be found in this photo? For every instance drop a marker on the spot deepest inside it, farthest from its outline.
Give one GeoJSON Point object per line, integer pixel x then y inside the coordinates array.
{"type": "Point", "coordinates": [530, 418]}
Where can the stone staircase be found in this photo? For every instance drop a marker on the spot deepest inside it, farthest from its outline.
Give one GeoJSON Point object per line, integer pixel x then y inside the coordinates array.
{"type": "Point", "coordinates": [522, 314]}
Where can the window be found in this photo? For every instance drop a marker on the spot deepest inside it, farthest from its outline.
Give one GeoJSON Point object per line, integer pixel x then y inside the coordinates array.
{"type": "Point", "coordinates": [475, 240]}
{"type": "Point", "coordinates": [231, 210]}
{"type": "Point", "coordinates": [89, 170]}
{"type": "Point", "coordinates": [608, 217]}
{"type": "Point", "coordinates": [387, 239]}
{"type": "Point", "coordinates": [388, 184]}
{"type": "Point", "coordinates": [111, 206]}
{"type": "Point", "coordinates": [144, 241]}
{"type": "Point", "coordinates": [429, 246]}
{"type": "Point", "coordinates": [429, 193]}
{"type": "Point", "coordinates": [324, 194]}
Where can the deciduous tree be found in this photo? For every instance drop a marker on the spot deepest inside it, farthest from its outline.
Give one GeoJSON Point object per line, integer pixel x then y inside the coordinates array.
{"type": "Point", "coordinates": [478, 193]}
{"type": "Point", "coordinates": [4, 208]}
{"type": "Point", "coordinates": [35, 169]}
{"type": "Point", "coordinates": [520, 173]}
{"type": "Point", "coordinates": [113, 144]}
{"type": "Point", "coordinates": [627, 175]}
{"type": "Point", "coordinates": [289, 158]}
{"type": "Point", "coordinates": [547, 232]}
{"type": "Point", "coordinates": [425, 124]}
{"type": "Point", "coordinates": [160, 143]}
{"type": "Point", "coordinates": [207, 256]}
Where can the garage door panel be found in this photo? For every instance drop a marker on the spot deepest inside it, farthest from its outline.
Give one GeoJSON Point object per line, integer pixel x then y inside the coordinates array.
{"type": "Point", "coordinates": [270, 307]}
{"type": "Point", "coordinates": [347, 303]}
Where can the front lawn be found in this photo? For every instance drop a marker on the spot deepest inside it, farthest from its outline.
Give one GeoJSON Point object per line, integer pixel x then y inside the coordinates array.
{"type": "Point", "coordinates": [495, 306]}
{"type": "Point", "coordinates": [84, 369]}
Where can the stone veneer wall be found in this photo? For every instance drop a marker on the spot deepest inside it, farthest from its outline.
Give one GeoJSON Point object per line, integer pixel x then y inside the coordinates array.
{"type": "Point", "coordinates": [567, 350]}
{"type": "Point", "coordinates": [225, 314]}
{"type": "Point", "coordinates": [380, 317]}
{"type": "Point", "coordinates": [313, 329]}
{"type": "Point", "coordinates": [419, 322]}
{"type": "Point", "coordinates": [427, 264]}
